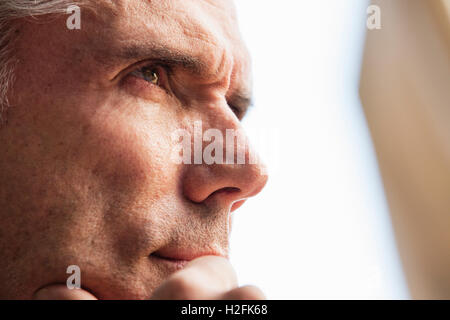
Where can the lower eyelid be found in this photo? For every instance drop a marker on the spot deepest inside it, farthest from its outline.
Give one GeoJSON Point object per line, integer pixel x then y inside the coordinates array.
{"type": "Point", "coordinates": [143, 89]}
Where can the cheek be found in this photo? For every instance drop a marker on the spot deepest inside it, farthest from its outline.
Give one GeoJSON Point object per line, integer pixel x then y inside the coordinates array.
{"type": "Point", "coordinates": [128, 156]}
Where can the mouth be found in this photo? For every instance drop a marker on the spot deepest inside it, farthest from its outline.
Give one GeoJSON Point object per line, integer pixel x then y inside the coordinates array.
{"type": "Point", "coordinates": [171, 263]}
{"type": "Point", "coordinates": [176, 259]}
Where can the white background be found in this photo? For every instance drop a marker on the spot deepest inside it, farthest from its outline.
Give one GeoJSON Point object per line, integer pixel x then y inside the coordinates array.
{"type": "Point", "coordinates": [321, 228]}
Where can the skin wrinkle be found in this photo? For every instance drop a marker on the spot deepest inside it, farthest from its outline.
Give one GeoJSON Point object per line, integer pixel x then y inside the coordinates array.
{"type": "Point", "coordinates": [156, 51]}
{"type": "Point", "coordinates": [85, 175]}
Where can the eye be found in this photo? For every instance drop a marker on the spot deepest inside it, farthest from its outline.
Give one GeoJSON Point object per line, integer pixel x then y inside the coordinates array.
{"type": "Point", "coordinates": [148, 81]}
{"type": "Point", "coordinates": [150, 74]}
{"type": "Point", "coordinates": [235, 110]}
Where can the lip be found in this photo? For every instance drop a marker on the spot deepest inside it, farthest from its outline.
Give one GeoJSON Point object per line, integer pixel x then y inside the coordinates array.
{"type": "Point", "coordinates": [171, 263]}
{"type": "Point", "coordinates": [180, 254]}
{"type": "Point", "coordinates": [177, 258]}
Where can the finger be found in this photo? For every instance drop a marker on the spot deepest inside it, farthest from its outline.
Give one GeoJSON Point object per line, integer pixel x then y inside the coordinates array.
{"type": "Point", "coordinates": [216, 271]}
{"type": "Point", "coordinates": [61, 292]}
{"type": "Point", "coordinates": [244, 293]}
{"type": "Point", "coordinates": [207, 277]}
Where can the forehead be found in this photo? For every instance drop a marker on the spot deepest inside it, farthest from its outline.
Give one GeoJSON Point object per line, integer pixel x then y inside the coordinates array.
{"type": "Point", "coordinates": [205, 29]}
{"type": "Point", "coordinates": [194, 14]}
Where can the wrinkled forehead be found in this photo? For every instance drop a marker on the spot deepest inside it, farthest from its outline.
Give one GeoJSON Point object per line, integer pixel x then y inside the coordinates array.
{"type": "Point", "coordinates": [206, 29]}
{"type": "Point", "coordinates": [190, 10]}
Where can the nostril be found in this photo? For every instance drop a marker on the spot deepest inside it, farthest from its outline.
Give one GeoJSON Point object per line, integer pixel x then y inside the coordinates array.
{"type": "Point", "coordinates": [227, 190]}
{"type": "Point", "coordinates": [228, 194]}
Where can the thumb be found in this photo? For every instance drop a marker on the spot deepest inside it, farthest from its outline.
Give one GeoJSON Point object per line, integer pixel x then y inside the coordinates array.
{"type": "Point", "coordinates": [61, 292]}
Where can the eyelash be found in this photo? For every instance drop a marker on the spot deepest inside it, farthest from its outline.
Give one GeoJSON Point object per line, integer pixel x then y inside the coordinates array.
{"type": "Point", "coordinates": [235, 110]}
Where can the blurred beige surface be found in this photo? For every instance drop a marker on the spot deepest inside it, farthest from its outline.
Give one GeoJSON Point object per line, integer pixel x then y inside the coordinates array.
{"type": "Point", "coordinates": [405, 91]}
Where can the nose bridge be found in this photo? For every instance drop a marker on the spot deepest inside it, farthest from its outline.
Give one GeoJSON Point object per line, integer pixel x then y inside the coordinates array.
{"type": "Point", "coordinates": [223, 133]}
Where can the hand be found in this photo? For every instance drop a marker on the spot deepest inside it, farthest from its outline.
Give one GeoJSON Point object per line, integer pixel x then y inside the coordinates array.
{"type": "Point", "coordinates": [61, 292]}
{"type": "Point", "coordinates": [205, 278]}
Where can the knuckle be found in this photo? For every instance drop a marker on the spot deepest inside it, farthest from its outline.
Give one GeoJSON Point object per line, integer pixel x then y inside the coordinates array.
{"type": "Point", "coordinates": [217, 271]}
{"type": "Point", "coordinates": [249, 293]}
{"type": "Point", "coordinates": [183, 287]}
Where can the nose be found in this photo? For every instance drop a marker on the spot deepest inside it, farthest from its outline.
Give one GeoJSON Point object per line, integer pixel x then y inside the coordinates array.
{"type": "Point", "coordinates": [231, 173]}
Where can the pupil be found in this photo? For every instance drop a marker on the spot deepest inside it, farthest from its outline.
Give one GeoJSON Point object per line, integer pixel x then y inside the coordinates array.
{"type": "Point", "coordinates": [151, 76]}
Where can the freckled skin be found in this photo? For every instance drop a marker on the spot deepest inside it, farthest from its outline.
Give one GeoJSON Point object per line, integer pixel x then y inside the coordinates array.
{"type": "Point", "coordinates": [85, 170]}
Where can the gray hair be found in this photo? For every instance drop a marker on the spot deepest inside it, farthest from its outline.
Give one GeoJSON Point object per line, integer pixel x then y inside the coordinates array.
{"type": "Point", "coordinates": [11, 10]}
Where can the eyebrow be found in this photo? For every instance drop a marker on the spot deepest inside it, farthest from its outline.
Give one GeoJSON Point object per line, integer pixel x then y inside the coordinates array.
{"type": "Point", "coordinates": [171, 57]}
{"type": "Point", "coordinates": [240, 99]}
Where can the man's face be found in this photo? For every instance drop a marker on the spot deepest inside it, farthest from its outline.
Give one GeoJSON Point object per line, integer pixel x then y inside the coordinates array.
{"type": "Point", "coordinates": [86, 176]}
